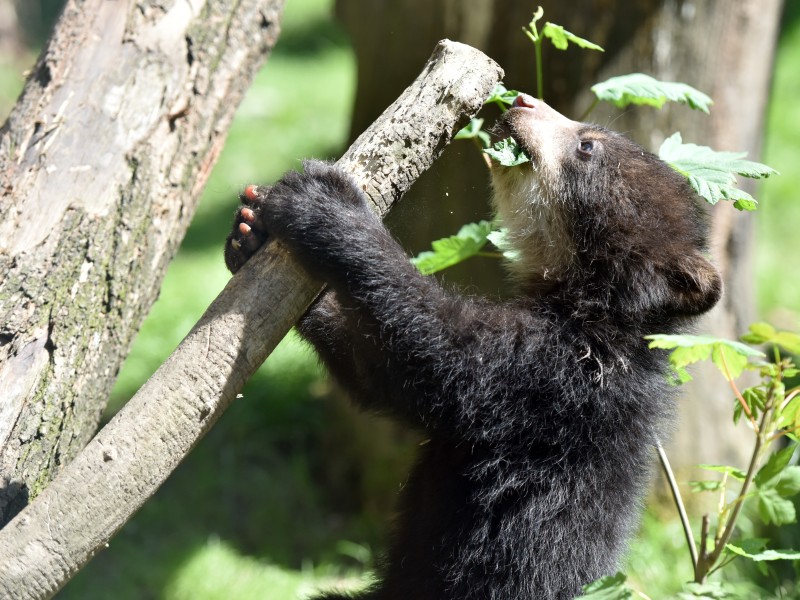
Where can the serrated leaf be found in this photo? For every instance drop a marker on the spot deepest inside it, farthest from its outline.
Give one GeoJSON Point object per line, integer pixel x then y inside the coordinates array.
{"type": "Point", "coordinates": [755, 398]}
{"type": "Point", "coordinates": [776, 463]}
{"type": "Point", "coordinates": [712, 174]}
{"type": "Point", "coordinates": [641, 89]}
{"type": "Point", "coordinates": [713, 590]}
{"type": "Point", "coordinates": [737, 474]}
{"type": "Point", "coordinates": [687, 355]}
{"type": "Point", "coordinates": [689, 349]}
{"type": "Point", "coordinates": [668, 341]}
{"type": "Point", "coordinates": [508, 153]}
{"type": "Point", "coordinates": [561, 38]}
{"type": "Point", "coordinates": [749, 545]}
{"type": "Point", "coordinates": [454, 249]}
{"type": "Point", "coordinates": [764, 554]}
{"type": "Point", "coordinates": [774, 508]}
{"type": "Point", "coordinates": [728, 360]}
{"type": "Point", "coordinates": [611, 587]}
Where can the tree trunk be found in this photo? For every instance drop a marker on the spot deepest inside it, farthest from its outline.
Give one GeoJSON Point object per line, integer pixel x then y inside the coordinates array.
{"type": "Point", "coordinates": [11, 43]}
{"type": "Point", "coordinates": [102, 162]}
{"type": "Point", "coordinates": [723, 47]}
{"type": "Point", "coordinates": [126, 462]}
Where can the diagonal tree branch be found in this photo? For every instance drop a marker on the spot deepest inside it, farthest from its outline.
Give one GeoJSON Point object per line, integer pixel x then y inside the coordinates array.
{"type": "Point", "coordinates": [129, 459]}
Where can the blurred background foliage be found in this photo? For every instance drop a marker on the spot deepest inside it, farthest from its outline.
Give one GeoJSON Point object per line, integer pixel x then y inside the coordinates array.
{"type": "Point", "coordinates": [292, 489]}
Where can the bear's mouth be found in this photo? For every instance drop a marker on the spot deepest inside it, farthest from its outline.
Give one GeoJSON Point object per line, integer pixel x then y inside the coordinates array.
{"type": "Point", "coordinates": [504, 128]}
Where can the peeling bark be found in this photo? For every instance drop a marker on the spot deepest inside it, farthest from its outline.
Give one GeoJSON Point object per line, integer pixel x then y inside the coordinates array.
{"type": "Point", "coordinates": [102, 162]}
{"type": "Point", "coordinates": [127, 461]}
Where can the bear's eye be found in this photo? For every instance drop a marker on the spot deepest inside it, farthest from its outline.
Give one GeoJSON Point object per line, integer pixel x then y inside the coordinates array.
{"type": "Point", "coordinates": [585, 148]}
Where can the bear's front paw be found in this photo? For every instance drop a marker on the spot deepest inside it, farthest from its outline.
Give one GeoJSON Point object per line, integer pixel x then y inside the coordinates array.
{"type": "Point", "coordinates": [248, 233]}
{"type": "Point", "coordinates": [319, 192]}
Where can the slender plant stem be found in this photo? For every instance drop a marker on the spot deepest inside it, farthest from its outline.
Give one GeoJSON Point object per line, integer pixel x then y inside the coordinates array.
{"type": "Point", "coordinates": [793, 393]}
{"type": "Point", "coordinates": [539, 76]}
{"type": "Point", "coordinates": [737, 393]}
{"type": "Point", "coordinates": [704, 526]}
{"type": "Point", "coordinates": [676, 495]}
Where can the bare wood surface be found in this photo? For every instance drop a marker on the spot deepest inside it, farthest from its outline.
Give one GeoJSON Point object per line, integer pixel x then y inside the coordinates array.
{"type": "Point", "coordinates": [102, 162]}
{"type": "Point", "coordinates": [129, 459]}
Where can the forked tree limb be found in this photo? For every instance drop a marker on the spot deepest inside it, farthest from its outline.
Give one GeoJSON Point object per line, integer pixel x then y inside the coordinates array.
{"type": "Point", "coordinates": [126, 462]}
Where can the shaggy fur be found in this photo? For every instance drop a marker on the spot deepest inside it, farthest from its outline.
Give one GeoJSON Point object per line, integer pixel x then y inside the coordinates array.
{"type": "Point", "coordinates": [541, 412]}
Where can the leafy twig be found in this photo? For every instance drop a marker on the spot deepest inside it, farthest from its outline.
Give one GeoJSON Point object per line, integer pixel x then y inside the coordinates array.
{"type": "Point", "coordinates": [707, 562]}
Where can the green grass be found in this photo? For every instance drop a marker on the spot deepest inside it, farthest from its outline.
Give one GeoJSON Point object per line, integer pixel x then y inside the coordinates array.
{"type": "Point", "coordinates": [244, 578]}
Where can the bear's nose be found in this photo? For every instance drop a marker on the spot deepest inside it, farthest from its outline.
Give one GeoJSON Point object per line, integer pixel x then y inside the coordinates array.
{"type": "Point", "coordinates": [525, 101]}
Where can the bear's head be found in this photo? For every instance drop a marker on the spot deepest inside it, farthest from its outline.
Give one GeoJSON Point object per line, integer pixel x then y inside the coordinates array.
{"type": "Point", "coordinates": [596, 212]}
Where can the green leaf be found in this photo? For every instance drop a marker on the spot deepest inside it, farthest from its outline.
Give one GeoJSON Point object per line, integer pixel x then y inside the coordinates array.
{"type": "Point", "coordinates": [454, 249]}
{"type": "Point", "coordinates": [774, 508]}
{"type": "Point", "coordinates": [759, 333]}
{"type": "Point", "coordinates": [749, 546]}
{"type": "Point", "coordinates": [755, 397]}
{"type": "Point", "coordinates": [470, 130]}
{"type": "Point", "coordinates": [729, 360]}
{"type": "Point", "coordinates": [689, 349]}
{"type": "Point", "coordinates": [788, 341]}
{"type": "Point", "coordinates": [763, 333]}
{"type": "Point", "coordinates": [765, 554]}
{"type": "Point", "coordinates": [561, 38]}
{"type": "Point", "coordinates": [705, 486]}
{"type": "Point", "coordinates": [473, 130]}
{"type": "Point", "coordinates": [713, 174]}
{"type": "Point", "coordinates": [713, 590]}
{"type": "Point", "coordinates": [502, 96]}
{"type": "Point", "coordinates": [508, 153]}
{"type": "Point", "coordinates": [790, 415]}
{"type": "Point", "coordinates": [641, 89]}
{"type": "Point", "coordinates": [737, 474]}
{"type": "Point", "coordinates": [611, 587]}
{"type": "Point", "coordinates": [787, 483]}
{"type": "Point", "coordinates": [774, 466]}
{"type": "Point", "coordinates": [499, 237]}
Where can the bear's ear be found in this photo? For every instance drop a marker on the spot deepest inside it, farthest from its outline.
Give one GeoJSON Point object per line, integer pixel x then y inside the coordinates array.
{"type": "Point", "coordinates": [693, 285]}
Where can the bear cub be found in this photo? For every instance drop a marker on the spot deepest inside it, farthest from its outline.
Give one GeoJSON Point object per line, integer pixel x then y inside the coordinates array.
{"type": "Point", "coordinates": [541, 412]}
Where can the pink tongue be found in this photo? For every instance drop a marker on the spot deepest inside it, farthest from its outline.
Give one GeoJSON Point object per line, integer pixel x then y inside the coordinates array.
{"type": "Point", "coordinates": [525, 101]}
